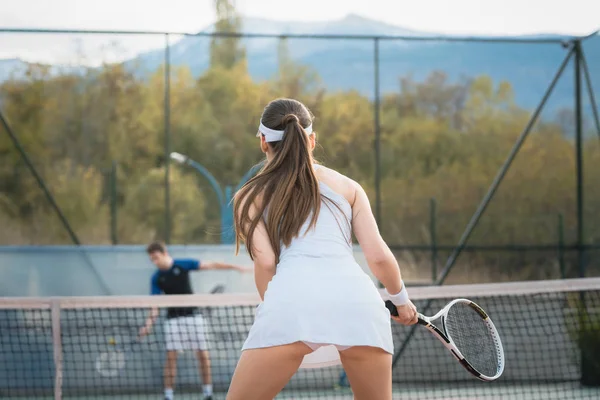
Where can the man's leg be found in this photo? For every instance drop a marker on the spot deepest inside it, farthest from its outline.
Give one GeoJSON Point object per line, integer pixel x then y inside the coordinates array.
{"type": "Point", "coordinates": [200, 344]}
{"type": "Point", "coordinates": [170, 373]}
{"type": "Point", "coordinates": [205, 371]}
{"type": "Point", "coordinates": [173, 342]}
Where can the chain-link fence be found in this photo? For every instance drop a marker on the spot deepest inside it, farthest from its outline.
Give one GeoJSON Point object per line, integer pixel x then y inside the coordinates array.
{"type": "Point", "coordinates": [485, 146]}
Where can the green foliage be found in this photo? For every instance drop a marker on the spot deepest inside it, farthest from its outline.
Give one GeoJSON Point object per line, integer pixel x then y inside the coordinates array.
{"type": "Point", "coordinates": [144, 207]}
{"type": "Point", "coordinates": [439, 139]}
{"type": "Point", "coordinates": [76, 188]}
{"type": "Point", "coordinates": [583, 322]}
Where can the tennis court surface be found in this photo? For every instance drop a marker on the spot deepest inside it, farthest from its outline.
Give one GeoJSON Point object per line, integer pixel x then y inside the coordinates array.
{"type": "Point", "coordinates": [74, 348]}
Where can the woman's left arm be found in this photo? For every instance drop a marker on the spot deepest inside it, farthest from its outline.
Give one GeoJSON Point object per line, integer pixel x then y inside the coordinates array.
{"type": "Point", "coordinates": [264, 259]}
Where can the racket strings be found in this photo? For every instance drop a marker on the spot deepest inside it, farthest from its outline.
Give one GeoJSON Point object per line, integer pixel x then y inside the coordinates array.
{"type": "Point", "coordinates": [473, 338]}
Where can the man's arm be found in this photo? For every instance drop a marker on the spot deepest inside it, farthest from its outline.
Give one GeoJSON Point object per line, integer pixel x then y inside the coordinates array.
{"type": "Point", "coordinates": [154, 312]}
{"type": "Point", "coordinates": [222, 266]}
{"type": "Point", "coordinates": [145, 330]}
{"type": "Point", "coordinates": [195, 265]}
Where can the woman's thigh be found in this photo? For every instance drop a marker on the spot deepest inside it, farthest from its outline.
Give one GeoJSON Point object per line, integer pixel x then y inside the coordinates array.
{"type": "Point", "coordinates": [369, 371]}
{"type": "Point", "coordinates": [273, 367]}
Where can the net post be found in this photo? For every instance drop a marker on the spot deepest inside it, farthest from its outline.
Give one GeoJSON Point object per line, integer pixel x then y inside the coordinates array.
{"type": "Point", "coordinates": [56, 347]}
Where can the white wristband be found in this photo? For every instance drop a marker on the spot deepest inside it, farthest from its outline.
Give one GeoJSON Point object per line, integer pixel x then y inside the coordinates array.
{"type": "Point", "coordinates": [398, 299]}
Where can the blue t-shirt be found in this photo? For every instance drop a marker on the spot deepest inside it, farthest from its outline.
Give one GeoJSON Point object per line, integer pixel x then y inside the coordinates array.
{"type": "Point", "coordinates": [175, 280]}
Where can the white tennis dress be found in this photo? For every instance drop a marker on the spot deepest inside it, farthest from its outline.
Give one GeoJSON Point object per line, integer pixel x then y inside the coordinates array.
{"type": "Point", "coordinates": [320, 295]}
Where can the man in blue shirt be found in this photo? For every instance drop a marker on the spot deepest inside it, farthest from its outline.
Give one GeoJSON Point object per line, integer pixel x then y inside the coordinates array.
{"type": "Point", "coordinates": [184, 328]}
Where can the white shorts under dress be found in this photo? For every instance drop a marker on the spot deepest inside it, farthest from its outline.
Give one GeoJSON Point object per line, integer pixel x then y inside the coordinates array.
{"type": "Point", "coordinates": [186, 333]}
{"type": "Point", "coordinates": [321, 296]}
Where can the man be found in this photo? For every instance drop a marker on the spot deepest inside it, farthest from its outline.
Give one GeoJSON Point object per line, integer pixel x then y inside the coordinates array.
{"type": "Point", "coordinates": [184, 328]}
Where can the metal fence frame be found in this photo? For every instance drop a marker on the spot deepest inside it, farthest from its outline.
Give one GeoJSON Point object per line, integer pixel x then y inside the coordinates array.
{"type": "Point", "coordinates": [573, 46]}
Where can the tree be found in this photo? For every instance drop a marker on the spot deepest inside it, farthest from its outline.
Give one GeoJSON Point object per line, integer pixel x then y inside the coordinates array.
{"type": "Point", "coordinates": [440, 139]}
{"type": "Point", "coordinates": [144, 208]}
{"type": "Point", "coordinates": [226, 51]}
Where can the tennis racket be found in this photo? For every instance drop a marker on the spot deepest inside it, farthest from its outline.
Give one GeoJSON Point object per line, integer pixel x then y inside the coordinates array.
{"type": "Point", "coordinates": [219, 288]}
{"type": "Point", "coordinates": [469, 334]}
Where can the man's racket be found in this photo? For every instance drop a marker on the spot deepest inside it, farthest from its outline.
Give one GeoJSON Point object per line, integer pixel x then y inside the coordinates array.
{"type": "Point", "coordinates": [219, 288]}
{"type": "Point", "coordinates": [469, 334]}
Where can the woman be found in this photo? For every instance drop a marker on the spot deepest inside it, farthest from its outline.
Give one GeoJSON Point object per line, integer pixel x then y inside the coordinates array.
{"type": "Point", "coordinates": [319, 307]}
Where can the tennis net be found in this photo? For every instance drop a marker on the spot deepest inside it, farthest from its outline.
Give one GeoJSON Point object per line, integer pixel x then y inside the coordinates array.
{"type": "Point", "coordinates": [75, 347]}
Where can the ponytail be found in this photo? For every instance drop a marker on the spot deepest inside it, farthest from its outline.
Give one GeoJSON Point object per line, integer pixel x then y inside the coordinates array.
{"type": "Point", "coordinates": [287, 186]}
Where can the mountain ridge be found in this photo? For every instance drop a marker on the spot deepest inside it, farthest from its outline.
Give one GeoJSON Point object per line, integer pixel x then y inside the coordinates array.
{"type": "Point", "coordinates": [528, 67]}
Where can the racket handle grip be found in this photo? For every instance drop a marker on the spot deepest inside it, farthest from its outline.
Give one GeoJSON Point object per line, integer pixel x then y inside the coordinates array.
{"type": "Point", "coordinates": [392, 308]}
{"type": "Point", "coordinates": [421, 319]}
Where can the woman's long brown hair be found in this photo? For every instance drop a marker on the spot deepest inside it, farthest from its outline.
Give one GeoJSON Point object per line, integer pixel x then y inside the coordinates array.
{"type": "Point", "coordinates": [287, 185]}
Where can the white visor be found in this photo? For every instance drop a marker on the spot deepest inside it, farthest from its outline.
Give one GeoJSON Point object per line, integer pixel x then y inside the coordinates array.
{"type": "Point", "coordinates": [272, 135]}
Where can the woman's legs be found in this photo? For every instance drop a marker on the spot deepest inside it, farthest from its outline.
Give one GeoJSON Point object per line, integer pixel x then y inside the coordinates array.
{"type": "Point", "coordinates": [369, 371]}
{"type": "Point", "coordinates": [262, 373]}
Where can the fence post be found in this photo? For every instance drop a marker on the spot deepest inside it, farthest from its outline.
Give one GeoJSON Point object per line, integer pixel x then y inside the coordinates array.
{"type": "Point", "coordinates": [590, 87]}
{"type": "Point", "coordinates": [113, 204]}
{"type": "Point", "coordinates": [167, 121]}
{"type": "Point", "coordinates": [561, 246]}
{"type": "Point", "coordinates": [579, 158]}
{"type": "Point", "coordinates": [377, 143]}
{"type": "Point", "coordinates": [433, 232]}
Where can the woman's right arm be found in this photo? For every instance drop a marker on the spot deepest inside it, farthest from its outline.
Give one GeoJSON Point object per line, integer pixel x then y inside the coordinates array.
{"type": "Point", "coordinates": [379, 257]}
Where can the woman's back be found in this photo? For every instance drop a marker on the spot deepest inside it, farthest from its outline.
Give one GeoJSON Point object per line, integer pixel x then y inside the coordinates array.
{"type": "Point", "coordinates": [330, 239]}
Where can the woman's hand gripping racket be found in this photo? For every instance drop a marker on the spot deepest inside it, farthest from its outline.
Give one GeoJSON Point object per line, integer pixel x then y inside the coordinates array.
{"type": "Point", "coordinates": [469, 334]}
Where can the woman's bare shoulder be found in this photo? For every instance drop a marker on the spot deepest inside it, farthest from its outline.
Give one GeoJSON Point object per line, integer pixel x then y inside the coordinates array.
{"type": "Point", "coordinates": [338, 182]}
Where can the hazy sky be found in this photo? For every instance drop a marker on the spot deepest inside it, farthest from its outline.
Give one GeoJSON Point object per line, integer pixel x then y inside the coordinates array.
{"type": "Point", "coordinates": [446, 16]}
{"type": "Point", "coordinates": [482, 17]}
